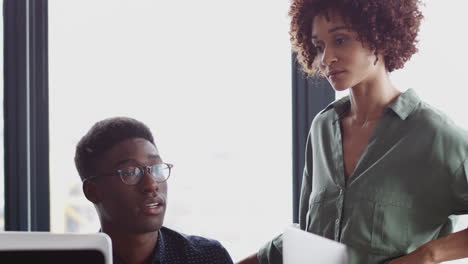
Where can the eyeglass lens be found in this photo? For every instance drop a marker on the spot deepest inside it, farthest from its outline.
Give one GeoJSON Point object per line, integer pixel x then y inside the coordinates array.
{"type": "Point", "coordinates": [133, 175]}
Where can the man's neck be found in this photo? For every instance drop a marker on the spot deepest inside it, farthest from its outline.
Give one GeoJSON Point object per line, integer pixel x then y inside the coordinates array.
{"type": "Point", "coordinates": [133, 248]}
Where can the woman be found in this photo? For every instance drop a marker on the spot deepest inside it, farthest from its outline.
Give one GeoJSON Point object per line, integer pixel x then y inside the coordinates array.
{"type": "Point", "coordinates": [385, 172]}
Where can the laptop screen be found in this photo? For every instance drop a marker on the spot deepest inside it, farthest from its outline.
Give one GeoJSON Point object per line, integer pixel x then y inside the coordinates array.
{"type": "Point", "coordinates": [43, 247]}
{"type": "Point", "coordinates": [52, 256]}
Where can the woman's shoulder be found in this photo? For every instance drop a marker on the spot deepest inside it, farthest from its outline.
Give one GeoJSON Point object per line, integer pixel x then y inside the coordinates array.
{"type": "Point", "coordinates": [429, 118]}
{"type": "Point", "coordinates": [332, 112]}
{"type": "Point", "coordinates": [429, 115]}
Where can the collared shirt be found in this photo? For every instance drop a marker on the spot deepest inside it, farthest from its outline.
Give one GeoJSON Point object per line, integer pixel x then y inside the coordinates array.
{"type": "Point", "coordinates": [176, 248]}
{"type": "Point", "coordinates": [406, 190]}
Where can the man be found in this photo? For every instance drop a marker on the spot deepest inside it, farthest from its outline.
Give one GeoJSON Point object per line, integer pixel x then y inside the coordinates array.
{"type": "Point", "coordinates": [126, 179]}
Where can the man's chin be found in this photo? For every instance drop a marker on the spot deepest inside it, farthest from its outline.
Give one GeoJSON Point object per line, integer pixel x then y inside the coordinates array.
{"type": "Point", "coordinates": [149, 227]}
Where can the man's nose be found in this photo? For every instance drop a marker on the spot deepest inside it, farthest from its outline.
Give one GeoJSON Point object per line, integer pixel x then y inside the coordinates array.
{"type": "Point", "coordinates": [149, 184]}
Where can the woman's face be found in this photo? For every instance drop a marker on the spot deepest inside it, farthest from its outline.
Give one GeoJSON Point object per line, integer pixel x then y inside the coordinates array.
{"type": "Point", "coordinates": [341, 56]}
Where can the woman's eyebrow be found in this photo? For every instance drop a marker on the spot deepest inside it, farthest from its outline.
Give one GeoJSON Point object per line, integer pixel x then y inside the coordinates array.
{"type": "Point", "coordinates": [331, 30]}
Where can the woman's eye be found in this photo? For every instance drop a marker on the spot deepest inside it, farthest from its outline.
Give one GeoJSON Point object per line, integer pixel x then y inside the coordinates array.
{"type": "Point", "coordinates": [340, 41]}
{"type": "Point", "coordinates": [319, 48]}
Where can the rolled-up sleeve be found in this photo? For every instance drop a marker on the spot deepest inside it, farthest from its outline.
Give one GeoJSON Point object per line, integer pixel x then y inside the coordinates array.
{"type": "Point", "coordinates": [460, 189]}
{"type": "Point", "coordinates": [306, 187]}
{"type": "Point", "coordinates": [272, 252]}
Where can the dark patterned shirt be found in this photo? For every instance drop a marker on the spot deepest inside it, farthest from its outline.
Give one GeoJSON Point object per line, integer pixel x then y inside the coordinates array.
{"type": "Point", "coordinates": [176, 248]}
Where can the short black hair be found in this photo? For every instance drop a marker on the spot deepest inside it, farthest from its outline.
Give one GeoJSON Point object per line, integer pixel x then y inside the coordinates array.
{"type": "Point", "coordinates": [103, 136]}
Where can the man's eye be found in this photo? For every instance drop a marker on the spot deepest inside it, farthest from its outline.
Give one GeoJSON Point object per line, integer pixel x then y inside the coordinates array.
{"type": "Point", "coordinates": [128, 172]}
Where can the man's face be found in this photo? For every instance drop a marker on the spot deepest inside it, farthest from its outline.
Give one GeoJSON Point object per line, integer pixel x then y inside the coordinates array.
{"type": "Point", "coordinates": [138, 208]}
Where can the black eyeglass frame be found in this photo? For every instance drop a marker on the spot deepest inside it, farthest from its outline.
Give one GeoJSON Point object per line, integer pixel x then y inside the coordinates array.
{"type": "Point", "coordinates": [144, 169]}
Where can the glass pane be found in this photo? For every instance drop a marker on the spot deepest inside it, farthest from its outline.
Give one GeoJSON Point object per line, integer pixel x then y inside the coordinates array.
{"type": "Point", "coordinates": [211, 79]}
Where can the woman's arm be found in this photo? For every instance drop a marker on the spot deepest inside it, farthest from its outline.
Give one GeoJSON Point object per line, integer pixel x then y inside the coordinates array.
{"type": "Point", "coordinates": [252, 259]}
{"type": "Point", "coordinates": [451, 247]}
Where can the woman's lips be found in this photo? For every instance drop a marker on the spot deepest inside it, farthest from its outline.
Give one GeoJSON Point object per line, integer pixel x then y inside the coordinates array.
{"type": "Point", "coordinates": [334, 74]}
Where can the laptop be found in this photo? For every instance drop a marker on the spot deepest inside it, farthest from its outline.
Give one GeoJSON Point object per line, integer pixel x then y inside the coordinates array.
{"type": "Point", "coordinates": [44, 247]}
{"type": "Point", "coordinates": [300, 247]}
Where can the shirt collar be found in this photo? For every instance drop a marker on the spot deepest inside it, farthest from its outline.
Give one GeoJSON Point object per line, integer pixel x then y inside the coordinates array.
{"type": "Point", "coordinates": [156, 256]}
{"type": "Point", "coordinates": [159, 250]}
{"type": "Point", "coordinates": [341, 106]}
{"type": "Point", "coordinates": [403, 106]}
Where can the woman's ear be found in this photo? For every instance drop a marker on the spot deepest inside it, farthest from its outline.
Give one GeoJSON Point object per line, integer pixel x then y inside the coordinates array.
{"type": "Point", "coordinates": [90, 190]}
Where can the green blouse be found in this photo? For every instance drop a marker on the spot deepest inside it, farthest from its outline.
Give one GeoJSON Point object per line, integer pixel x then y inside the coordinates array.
{"type": "Point", "coordinates": [407, 188]}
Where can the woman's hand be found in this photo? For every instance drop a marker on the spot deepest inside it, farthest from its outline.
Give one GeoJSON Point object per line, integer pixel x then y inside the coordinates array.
{"type": "Point", "coordinates": [421, 255]}
{"type": "Point", "coordinates": [252, 259]}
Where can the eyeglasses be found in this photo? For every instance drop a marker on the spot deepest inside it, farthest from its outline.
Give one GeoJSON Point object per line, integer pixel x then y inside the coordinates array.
{"type": "Point", "coordinates": [133, 175]}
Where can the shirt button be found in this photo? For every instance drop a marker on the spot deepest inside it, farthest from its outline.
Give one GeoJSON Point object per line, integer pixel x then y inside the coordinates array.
{"type": "Point", "coordinates": [337, 222]}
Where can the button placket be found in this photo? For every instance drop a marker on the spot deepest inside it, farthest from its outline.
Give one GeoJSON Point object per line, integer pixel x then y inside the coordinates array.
{"type": "Point", "coordinates": [339, 208]}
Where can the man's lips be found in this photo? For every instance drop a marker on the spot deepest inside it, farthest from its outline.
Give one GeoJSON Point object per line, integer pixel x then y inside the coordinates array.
{"type": "Point", "coordinates": [153, 206]}
{"type": "Point", "coordinates": [153, 209]}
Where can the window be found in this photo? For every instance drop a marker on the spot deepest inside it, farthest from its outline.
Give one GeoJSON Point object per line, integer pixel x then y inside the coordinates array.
{"type": "Point", "coordinates": [214, 86]}
{"type": "Point", "coordinates": [220, 93]}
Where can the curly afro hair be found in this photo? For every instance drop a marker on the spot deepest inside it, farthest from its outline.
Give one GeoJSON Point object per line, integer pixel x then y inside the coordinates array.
{"type": "Point", "coordinates": [103, 136]}
{"type": "Point", "coordinates": [390, 27]}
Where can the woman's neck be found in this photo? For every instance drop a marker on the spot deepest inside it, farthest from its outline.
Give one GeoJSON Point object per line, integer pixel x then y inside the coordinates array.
{"type": "Point", "coordinates": [369, 99]}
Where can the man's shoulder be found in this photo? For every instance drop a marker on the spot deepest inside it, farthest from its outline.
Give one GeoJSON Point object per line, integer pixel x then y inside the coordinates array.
{"type": "Point", "coordinates": [193, 246]}
{"type": "Point", "coordinates": [175, 236]}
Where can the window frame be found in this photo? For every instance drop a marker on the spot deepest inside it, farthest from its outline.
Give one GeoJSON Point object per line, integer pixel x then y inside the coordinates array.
{"type": "Point", "coordinates": [310, 95]}
{"type": "Point", "coordinates": [26, 113]}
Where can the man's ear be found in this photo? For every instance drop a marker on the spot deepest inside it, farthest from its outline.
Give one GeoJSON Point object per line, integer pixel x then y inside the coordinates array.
{"type": "Point", "coordinates": [90, 190]}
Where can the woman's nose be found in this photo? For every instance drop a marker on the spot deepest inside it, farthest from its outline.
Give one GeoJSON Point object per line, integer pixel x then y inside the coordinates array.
{"type": "Point", "coordinates": [328, 57]}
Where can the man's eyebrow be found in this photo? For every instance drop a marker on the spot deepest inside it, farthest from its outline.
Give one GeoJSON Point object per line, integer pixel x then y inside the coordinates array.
{"type": "Point", "coordinates": [120, 162]}
{"type": "Point", "coordinates": [331, 30]}
{"type": "Point", "coordinates": [151, 156]}
{"type": "Point", "coordinates": [154, 157]}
